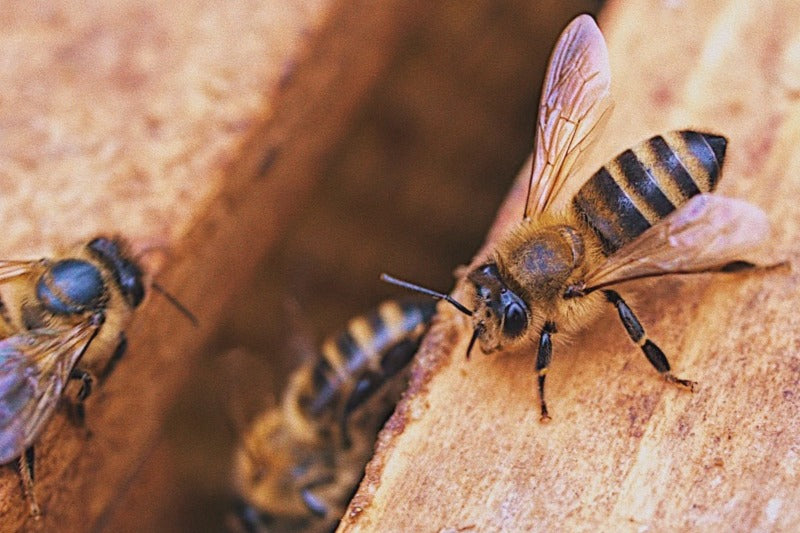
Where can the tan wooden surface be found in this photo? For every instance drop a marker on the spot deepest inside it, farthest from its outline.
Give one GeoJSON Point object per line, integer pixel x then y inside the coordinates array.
{"type": "Point", "coordinates": [625, 451]}
{"type": "Point", "coordinates": [196, 127]}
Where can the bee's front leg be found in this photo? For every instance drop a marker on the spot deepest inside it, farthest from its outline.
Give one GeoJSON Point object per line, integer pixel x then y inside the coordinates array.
{"type": "Point", "coordinates": [87, 380]}
{"type": "Point", "coordinates": [543, 357]}
{"type": "Point", "coordinates": [86, 383]}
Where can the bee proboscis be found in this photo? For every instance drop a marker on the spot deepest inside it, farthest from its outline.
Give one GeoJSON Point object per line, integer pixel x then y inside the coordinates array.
{"type": "Point", "coordinates": [300, 462]}
{"type": "Point", "coordinates": [59, 319]}
{"type": "Point", "coordinates": [648, 212]}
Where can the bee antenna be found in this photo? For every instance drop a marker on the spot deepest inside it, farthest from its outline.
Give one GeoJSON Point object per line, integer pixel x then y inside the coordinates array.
{"type": "Point", "coordinates": [438, 295]}
{"type": "Point", "coordinates": [175, 302]}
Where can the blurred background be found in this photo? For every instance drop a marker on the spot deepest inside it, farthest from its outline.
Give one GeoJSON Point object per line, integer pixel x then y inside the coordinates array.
{"type": "Point", "coordinates": [411, 190]}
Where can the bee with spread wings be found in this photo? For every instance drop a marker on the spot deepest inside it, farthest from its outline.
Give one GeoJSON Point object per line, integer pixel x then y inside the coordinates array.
{"type": "Point", "coordinates": [55, 314]}
{"type": "Point", "coordinates": [648, 212]}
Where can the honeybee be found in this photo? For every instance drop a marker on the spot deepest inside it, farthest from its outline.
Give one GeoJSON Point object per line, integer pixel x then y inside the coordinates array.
{"type": "Point", "coordinates": [55, 314]}
{"type": "Point", "coordinates": [299, 463]}
{"type": "Point", "coordinates": [646, 213]}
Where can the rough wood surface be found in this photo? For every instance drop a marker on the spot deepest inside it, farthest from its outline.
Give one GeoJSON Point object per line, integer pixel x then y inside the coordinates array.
{"type": "Point", "coordinates": [626, 451]}
{"type": "Point", "coordinates": [196, 127]}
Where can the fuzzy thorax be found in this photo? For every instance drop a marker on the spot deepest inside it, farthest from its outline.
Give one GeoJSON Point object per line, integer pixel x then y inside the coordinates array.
{"type": "Point", "coordinates": [533, 267]}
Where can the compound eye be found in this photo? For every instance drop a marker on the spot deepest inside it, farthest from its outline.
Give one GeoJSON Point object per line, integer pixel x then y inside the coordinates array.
{"type": "Point", "coordinates": [515, 320]}
{"type": "Point", "coordinates": [130, 283]}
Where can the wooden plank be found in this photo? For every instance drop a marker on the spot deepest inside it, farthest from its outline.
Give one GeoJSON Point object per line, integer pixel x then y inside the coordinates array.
{"type": "Point", "coordinates": [625, 451]}
{"type": "Point", "coordinates": [197, 127]}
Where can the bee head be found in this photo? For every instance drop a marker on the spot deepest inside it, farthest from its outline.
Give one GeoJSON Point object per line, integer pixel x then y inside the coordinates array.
{"type": "Point", "coordinates": [127, 274]}
{"type": "Point", "coordinates": [500, 314]}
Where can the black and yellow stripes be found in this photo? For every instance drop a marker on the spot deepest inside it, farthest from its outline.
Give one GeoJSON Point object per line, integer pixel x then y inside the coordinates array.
{"type": "Point", "coordinates": [301, 461]}
{"type": "Point", "coordinates": [369, 344]}
{"type": "Point", "coordinates": [642, 185]}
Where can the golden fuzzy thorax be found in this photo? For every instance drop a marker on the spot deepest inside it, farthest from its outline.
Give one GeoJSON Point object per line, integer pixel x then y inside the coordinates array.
{"type": "Point", "coordinates": [538, 261]}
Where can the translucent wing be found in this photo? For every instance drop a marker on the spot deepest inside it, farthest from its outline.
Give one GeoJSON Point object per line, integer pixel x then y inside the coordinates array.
{"type": "Point", "coordinates": [707, 232]}
{"type": "Point", "coordinates": [12, 269]}
{"type": "Point", "coordinates": [34, 368]}
{"type": "Point", "coordinates": [575, 96]}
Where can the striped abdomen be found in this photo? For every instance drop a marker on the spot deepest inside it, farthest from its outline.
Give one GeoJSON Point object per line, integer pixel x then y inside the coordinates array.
{"type": "Point", "coordinates": [373, 348]}
{"type": "Point", "coordinates": [642, 185]}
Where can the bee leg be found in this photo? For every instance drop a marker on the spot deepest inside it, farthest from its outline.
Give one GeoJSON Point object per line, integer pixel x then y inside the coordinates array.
{"type": "Point", "coordinates": [119, 351]}
{"type": "Point", "coordinates": [86, 383]}
{"type": "Point", "coordinates": [543, 357]}
{"type": "Point", "coordinates": [365, 387]}
{"type": "Point", "coordinates": [313, 503]}
{"type": "Point", "coordinates": [26, 474]}
{"type": "Point", "coordinates": [86, 378]}
{"type": "Point", "coordinates": [637, 334]}
{"type": "Point", "coordinates": [393, 362]}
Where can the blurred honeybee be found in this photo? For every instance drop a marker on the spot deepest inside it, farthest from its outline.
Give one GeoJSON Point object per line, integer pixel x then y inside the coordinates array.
{"type": "Point", "coordinates": [55, 314]}
{"type": "Point", "coordinates": [299, 463]}
{"type": "Point", "coordinates": [646, 213]}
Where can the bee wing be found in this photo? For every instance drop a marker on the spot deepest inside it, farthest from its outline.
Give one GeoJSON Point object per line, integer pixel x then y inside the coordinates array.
{"type": "Point", "coordinates": [707, 232]}
{"type": "Point", "coordinates": [12, 269]}
{"type": "Point", "coordinates": [575, 97]}
{"type": "Point", "coordinates": [34, 369]}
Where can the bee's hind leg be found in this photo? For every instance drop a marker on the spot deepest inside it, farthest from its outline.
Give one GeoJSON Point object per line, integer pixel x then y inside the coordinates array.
{"type": "Point", "coordinates": [637, 334]}
{"type": "Point", "coordinates": [26, 474]}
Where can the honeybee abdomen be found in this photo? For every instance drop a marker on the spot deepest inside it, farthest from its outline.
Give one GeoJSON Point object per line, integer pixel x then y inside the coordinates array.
{"type": "Point", "coordinates": [379, 342]}
{"type": "Point", "coordinates": [642, 185]}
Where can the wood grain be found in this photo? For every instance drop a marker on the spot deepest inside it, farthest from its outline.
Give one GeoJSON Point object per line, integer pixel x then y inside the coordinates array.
{"type": "Point", "coordinates": [626, 451]}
